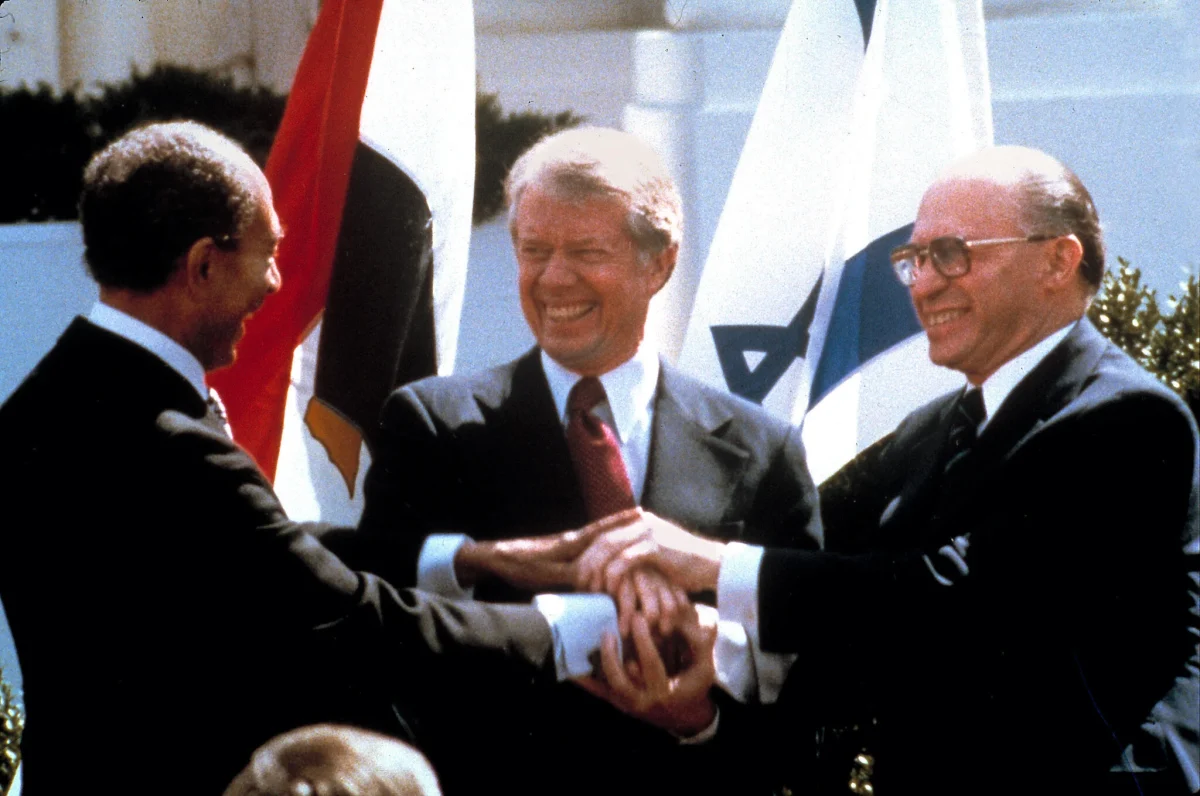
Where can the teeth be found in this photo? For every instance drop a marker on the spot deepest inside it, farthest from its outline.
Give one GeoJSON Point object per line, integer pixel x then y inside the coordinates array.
{"type": "Point", "coordinates": [567, 312]}
{"type": "Point", "coordinates": [938, 318]}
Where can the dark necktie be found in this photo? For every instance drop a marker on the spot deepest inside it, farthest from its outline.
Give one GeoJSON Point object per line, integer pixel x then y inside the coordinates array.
{"type": "Point", "coordinates": [217, 408]}
{"type": "Point", "coordinates": [595, 453]}
{"type": "Point", "coordinates": [969, 412]}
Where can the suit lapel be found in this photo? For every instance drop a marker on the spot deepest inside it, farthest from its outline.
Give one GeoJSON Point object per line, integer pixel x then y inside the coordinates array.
{"type": "Point", "coordinates": [693, 470]}
{"type": "Point", "coordinates": [534, 454]}
{"type": "Point", "coordinates": [1045, 391]}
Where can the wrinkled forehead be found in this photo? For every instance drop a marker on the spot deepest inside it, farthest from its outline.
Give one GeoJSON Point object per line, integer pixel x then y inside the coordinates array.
{"type": "Point", "coordinates": [968, 206]}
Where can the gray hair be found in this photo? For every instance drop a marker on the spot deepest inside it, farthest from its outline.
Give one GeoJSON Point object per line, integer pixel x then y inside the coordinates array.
{"type": "Point", "coordinates": [332, 760]}
{"type": "Point", "coordinates": [586, 162]}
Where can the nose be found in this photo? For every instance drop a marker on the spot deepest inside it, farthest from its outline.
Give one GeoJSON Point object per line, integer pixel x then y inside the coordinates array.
{"type": "Point", "coordinates": [558, 270]}
{"type": "Point", "coordinates": [927, 281]}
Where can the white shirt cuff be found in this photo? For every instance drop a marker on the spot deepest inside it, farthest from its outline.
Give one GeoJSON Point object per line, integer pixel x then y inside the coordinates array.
{"type": "Point", "coordinates": [743, 669]}
{"type": "Point", "coordinates": [737, 585]}
{"type": "Point", "coordinates": [578, 623]}
{"type": "Point", "coordinates": [435, 566]}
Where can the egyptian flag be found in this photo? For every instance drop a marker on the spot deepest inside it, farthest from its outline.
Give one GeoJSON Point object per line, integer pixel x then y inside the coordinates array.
{"type": "Point", "coordinates": [372, 172]}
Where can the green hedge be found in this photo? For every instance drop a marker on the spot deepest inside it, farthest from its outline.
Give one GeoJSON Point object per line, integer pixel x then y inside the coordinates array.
{"type": "Point", "coordinates": [49, 137]}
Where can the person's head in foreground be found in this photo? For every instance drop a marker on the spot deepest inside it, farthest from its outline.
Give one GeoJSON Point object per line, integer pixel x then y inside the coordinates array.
{"type": "Point", "coordinates": [1005, 251]}
{"type": "Point", "coordinates": [596, 222]}
{"type": "Point", "coordinates": [332, 760]}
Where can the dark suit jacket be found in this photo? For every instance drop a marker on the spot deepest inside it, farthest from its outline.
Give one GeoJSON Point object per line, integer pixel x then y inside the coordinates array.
{"type": "Point", "coordinates": [168, 616]}
{"type": "Point", "coordinates": [1076, 621]}
{"type": "Point", "coordinates": [486, 455]}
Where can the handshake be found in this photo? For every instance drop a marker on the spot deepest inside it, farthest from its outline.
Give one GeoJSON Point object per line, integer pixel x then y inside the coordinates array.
{"type": "Point", "coordinates": [650, 567]}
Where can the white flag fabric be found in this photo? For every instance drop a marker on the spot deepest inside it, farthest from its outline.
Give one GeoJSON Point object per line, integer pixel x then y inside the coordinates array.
{"type": "Point", "coordinates": [755, 300]}
{"type": "Point", "coordinates": [798, 306]}
{"type": "Point", "coordinates": [418, 119]}
{"type": "Point", "coordinates": [923, 102]}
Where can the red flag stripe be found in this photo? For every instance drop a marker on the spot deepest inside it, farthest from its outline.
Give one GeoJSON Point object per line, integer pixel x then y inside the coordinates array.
{"type": "Point", "coordinates": [309, 170]}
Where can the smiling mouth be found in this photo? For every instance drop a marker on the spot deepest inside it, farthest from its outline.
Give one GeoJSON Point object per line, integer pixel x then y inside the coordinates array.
{"type": "Point", "coordinates": [568, 312]}
{"type": "Point", "coordinates": [935, 319]}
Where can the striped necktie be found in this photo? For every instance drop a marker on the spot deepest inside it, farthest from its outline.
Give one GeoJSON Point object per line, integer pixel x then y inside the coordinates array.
{"type": "Point", "coordinates": [216, 406]}
{"type": "Point", "coordinates": [969, 413]}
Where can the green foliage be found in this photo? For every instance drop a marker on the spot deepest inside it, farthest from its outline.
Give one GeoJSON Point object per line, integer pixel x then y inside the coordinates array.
{"type": "Point", "coordinates": [48, 138]}
{"type": "Point", "coordinates": [1165, 343]}
{"type": "Point", "coordinates": [12, 724]}
{"type": "Point", "coordinates": [499, 141]}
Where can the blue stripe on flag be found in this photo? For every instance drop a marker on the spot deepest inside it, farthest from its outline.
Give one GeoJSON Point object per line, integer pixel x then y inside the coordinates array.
{"type": "Point", "coordinates": [781, 345]}
{"type": "Point", "coordinates": [866, 14]}
{"type": "Point", "coordinates": [872, 312]}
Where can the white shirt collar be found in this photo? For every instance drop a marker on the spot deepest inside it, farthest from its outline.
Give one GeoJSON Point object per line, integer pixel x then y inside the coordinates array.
{"type": "Point", "coordinates": [630, 388]}
{"type": "Point", "coordinates": [1001, 383]}
{"type": "Point", "coordinates": [179, 358]}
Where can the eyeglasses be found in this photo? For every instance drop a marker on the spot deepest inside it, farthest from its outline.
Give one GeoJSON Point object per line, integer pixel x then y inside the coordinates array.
{"type": "Point", "coordinates": [950, 256]}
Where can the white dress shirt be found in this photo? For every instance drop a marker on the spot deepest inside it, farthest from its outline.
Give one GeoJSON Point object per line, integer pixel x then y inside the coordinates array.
{"type": "Point", "coordinates": [176, 356]}
{"type": "Point", "coordinates": [737, 582]}
{"type": "Point", "coordinates": [577, 622]}
{"type": "Point", "coordinates": [628, 410]}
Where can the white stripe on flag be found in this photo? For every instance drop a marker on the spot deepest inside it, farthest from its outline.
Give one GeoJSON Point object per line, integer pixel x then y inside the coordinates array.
{"type": "Point", "coordinates": [769, 247]}
{"type": "Point", "coordinates": [419, 111]}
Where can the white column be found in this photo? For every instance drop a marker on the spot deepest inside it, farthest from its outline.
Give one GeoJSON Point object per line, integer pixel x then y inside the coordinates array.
{"type": "Point", "coordinates": [667, 89]}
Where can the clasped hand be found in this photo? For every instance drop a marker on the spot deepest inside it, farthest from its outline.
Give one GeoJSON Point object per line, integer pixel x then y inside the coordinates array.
{"type": "Point", "coordinates": [648, 566]}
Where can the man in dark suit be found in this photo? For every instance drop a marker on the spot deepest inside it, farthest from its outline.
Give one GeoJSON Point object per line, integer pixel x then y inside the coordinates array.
{"type": "Point", "coordinates": [991, 617]}
{"type": "Point", "coordinates": [471, 471]}
{"type": "Point", "coordinates": [168, 616]}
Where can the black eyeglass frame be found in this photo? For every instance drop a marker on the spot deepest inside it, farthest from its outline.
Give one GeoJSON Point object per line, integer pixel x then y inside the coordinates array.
{"type": "Point", "coordinates": [908, 258]}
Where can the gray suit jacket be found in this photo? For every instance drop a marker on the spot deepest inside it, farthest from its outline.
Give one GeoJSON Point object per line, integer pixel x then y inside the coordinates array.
{"type": "Point", "coordinates": [486, 455]}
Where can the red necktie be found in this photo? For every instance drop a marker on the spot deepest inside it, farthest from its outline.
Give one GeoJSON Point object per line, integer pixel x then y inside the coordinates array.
{"type": "Point", "coordinates": [594, 451]}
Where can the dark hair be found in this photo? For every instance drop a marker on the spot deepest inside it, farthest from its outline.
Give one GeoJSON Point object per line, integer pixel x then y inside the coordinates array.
{"type": "Point", "coordinates": [331, 760]}
{"type": "Point", "coordinates": [1055, 201]}
{"type": "Point", "coordinates": [155, 191]}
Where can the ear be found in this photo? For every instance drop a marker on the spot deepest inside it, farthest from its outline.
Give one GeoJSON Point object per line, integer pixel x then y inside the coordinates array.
{"type": "Point", "coordinates": [197, 265]}
{"type": "Point", "coordinates": [661, 266]}
{"type": "Point", "coordinates": [1062, 268]}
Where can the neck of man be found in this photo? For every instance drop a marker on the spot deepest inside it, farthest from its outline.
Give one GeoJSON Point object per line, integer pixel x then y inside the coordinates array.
{"type": "Point", "coordinates": [156, 309]}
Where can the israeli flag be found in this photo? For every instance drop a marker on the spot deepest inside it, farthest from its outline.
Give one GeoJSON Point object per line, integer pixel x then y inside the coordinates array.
{"type": "Point", "coordinates": [754, 305]}
{"type": "Point", "coordinates": [798, 309]}
{"type": "Point", "coordinates": [923, 102]}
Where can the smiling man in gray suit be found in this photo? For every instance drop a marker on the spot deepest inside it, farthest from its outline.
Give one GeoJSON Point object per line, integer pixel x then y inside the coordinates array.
{"type": "Point", "coordinates": [471, 470]}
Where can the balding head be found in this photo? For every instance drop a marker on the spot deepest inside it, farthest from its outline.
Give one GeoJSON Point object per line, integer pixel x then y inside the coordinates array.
{"type": "Point", "coordinates": [1050, 197]}
{"type": "Point", "coordinates": [152, 193]}
{"type": "Point", "coordinates": [996, 262]}
{"type": "Point", "coordinates": [331, 760]}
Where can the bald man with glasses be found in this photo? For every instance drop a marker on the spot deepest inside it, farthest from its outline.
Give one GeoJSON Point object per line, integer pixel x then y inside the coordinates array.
{"type": "Point", "coordinates": [1009, 600]}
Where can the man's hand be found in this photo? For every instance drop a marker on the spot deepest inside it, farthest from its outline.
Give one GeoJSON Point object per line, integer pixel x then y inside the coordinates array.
{"type": "Point", "coordinates": [678, 703]}
{"type": "Point", "coordinates": [538, 563]}
{"type": "Point", "coordinates": [646, 541]}
{"type": "Point", "coordinates": [648, 592]}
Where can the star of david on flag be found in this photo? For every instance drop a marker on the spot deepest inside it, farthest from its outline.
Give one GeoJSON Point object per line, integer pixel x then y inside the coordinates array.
{"type": "Point", "coordinates": [797, 308]}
